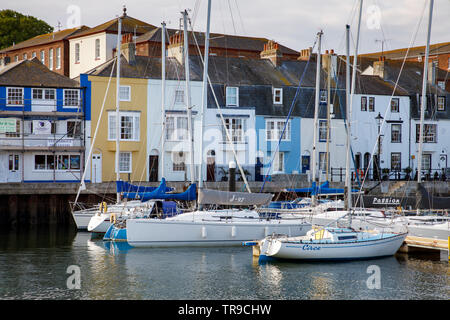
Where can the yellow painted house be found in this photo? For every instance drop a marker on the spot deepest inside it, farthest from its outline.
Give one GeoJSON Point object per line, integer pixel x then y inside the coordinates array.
{"type": "Point", "coordinates": [133, 127]}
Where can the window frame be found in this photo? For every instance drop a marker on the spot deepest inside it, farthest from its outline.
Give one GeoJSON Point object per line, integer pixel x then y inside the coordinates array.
{"type": "Point", "coordinates": [58, 162]}
{"type": "Point", "coordinates": [77, 52]}
{"type": "Point", "coordinates": [77, 105]}
{"type": "Point", "coordinates": [229, 96]}
{"type": "Point", "coordinates": [425, 136]}
{"type": "Point", "coordinates": [275, 132]}
{"type": "Point", "coordinates": [179, 96]}
{"type": "Point", "coordinates": [397, 110]}
{"type": "Point", "coordinates": [58, 58]}
{"type": "Point", "coordinates": [277, 160]}
{"type": "Point", "coordinates": [441, 106]}
{"type": "Point", "coordinates": [236, 127]}
{"type": "Point", "coordinates": [8, 99]}
{"type": "Point", "coordinates": [130, 161]}
{"type": "Point", "coordinates": [363, 103]}
{"type": "Point", "coordinates": [323, 96]}
{"type": "Point", "coordinates": [178, 166]}
{"type": "Point", "coordinates": [399, 136]}
{"type": "Point", "coordinates": [277, 93]}
{"type": "Point", "coordinates": [128, 98]}
{"type": "Point", "coordinates": [50, 58]}
{"type": "Point", "coordinates": [73, 129]}
{"type": "Point", "coordinates": [322, 128]}
{"type": "Point", "coordinates": [97, 49]}
{"type": "Point", "coordinates": [134, 130]}
{"type": "Point", "coordinates": [397, 168]}
{"type": "Point", "coordinates": [42, 56]}
{"type": "Point", "coordinates": [371, 104]}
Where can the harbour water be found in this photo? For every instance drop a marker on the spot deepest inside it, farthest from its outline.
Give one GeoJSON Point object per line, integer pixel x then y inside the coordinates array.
{"type": "Point", "coordinates": [65, 264]}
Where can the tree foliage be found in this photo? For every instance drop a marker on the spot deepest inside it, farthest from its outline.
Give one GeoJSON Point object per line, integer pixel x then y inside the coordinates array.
{"type": "Point", "coordinates": [16, 27]}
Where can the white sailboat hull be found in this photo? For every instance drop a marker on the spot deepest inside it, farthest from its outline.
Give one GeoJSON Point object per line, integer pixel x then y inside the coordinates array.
{"type": "Point", "coordinates": [310, 250]}
{"type": "Point", "coordinates": [99, 223]}
{"type": "Point", "coordinates": [82, 220]}
{"type": "Point", "coordinates": [170, 233]}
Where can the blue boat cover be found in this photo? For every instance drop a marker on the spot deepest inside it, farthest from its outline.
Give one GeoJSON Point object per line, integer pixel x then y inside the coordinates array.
{"type": "Point", "coordinates": [324, 188]}
{"type": "Point", "coordinates": [160, 193]}
{"type": "Point", "coordinates": [123, 186]}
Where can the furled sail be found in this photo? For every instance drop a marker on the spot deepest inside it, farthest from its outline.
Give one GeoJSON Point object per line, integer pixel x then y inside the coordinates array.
{"type": "Point", "coordinates": [123, 186]}
{"type": "Point", "coordinates": [206, 196]}
{"type": "Point", "coordinates": [161, 193]}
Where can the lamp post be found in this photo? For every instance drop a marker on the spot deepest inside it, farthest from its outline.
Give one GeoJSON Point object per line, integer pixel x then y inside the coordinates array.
{"type": "Point", "coordinates": [379, 120]}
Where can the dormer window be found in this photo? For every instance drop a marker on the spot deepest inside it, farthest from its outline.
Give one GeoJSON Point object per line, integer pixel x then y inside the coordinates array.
{"type": "Point", "coordinates": [441, 104]}
{"type": "Point", "coordinates": [232, 96]}
{"type": "Point", "coordinates": [323, 96]}
{"type": "Point", "coordinates": [277, 96]}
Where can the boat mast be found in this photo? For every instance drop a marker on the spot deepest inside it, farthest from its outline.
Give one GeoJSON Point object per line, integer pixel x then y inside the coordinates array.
{"type": "Point", "coordinates": [204, 92]}
{"type": "Point", "coordinates": [316, 116]}
{"type": "Point", "coordinates": [348, 184]}
{"type": "Point", "coordinates": [350, 106]}
{"type": "Point", "coordinates": [424, 96]}
{"type": "Point", "coordinates": [188, 96]}
{"type": "Point", "coordinates": [163, 95]}
{"type": "Point", "coordinates": [118, 56]}
{"type": "Point", "coordinates": [328, 115]}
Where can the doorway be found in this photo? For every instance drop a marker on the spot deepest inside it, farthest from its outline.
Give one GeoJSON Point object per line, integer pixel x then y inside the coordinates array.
{"type": "Point", "coordinates": [14, 168]}
{"type": "Point", "coordinates": [96, 168]}
{"type": "Point", "coordinates": [153, 168]}
{"type": "Point", "coordinates": [211, 166]}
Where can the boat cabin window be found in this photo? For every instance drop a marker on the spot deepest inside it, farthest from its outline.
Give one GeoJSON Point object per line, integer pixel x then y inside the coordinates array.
{"type": "Point", "coordinates": [347, 238]}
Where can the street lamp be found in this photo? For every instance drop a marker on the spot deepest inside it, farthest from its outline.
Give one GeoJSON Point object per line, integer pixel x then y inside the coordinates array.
{"type": "Point", "coordinates": [379, 120]}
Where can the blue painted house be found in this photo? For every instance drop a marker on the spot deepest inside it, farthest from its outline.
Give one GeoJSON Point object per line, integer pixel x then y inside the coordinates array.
{"type": "Point", "coordinates": [41, 125]}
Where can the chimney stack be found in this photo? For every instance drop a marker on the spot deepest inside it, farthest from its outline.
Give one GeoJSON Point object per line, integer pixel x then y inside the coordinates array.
{"type": "Point", "coordinates": [329, 60]}
{"type": "Point", "coordinates": [175, 48]}
{"type": "Point", "coordinates": [128, 48]}
{"type": "Point", "coordinates": [305, 54]}
{"type": "Point", "coordinates": [272, 52]}
{"type": "Point", "coordinates": [379, 68]}
{"type": "Point", "coordinates": [431, 73]}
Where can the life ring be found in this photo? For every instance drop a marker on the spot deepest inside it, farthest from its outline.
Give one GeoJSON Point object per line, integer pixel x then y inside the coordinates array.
{"type": "Point", "coordinates": [103, 207]}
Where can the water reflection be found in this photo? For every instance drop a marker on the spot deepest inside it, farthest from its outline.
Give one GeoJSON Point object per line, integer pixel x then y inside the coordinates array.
{"type": "Point", "coordinates": [33, 266]}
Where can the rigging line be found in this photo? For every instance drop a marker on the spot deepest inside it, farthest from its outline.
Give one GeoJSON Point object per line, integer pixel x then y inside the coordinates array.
{"type": "Point", "coordinates": [240, 18]}
{"type": "Point", "coordinates": [196, 9]}
{"type": "Point", "coordinates": [223, 120]}
{"type": "Point", "coordinates": [232, 18]}
{"type": "Point", "coordinates": [95, 135]}
{"type": "Point", "coordinates": [413, 37]}
{"type": "Point", "coordinates": [288, 117]}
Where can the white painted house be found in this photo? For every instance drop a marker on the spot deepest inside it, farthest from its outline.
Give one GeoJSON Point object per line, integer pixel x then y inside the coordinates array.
{"type": "Point", "coordinates": [176, 145]}
{"type": "Point", "coordinates": [95, 46]}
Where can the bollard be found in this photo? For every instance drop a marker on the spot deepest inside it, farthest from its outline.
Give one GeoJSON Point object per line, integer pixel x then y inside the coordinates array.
{"type": "Point", "coordinates": [232, 176]}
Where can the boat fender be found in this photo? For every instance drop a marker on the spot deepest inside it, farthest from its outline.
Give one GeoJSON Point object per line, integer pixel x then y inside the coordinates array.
{"type": "Point", "coordinates": [103, 207]}
{"type": "Point", "coordinates": [112, 218]}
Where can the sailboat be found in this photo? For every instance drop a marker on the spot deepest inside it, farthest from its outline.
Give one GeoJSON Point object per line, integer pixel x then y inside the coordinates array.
{"type": "Point", "coordinates": [335, 243]}
{"type": "Point", "coordinates": [212, 227]}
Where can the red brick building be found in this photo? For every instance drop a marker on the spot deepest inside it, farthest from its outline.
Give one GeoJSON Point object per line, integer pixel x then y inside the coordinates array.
{"type": "Point", "coordinates": [52, 49]}
{"type": "Point", "coordinates": [149, 44]}
{"type": "Point", "coordinates": [439, 57]}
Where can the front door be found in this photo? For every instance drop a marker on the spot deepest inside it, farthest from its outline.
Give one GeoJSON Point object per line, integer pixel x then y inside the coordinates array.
{"type": "Point", "coordinates": [305, 163]}
{"type": "Point", "coordinates": [14, 168]}
{"type": "Point", "coordinates": [153, 169]}
{"type": "Point", "coordinates": [211, 169]}
{"type": "Point", "coordinates": [97, 168]}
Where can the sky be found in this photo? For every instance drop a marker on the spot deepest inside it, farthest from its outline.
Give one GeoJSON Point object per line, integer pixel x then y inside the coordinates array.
{"type": "Point", "coordinates": [385, 24]}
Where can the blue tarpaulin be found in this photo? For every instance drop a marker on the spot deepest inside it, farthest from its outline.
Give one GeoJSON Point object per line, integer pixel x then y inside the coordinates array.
{"type": "Point", "coordinates": [161, 193]}
{"type": "Point", "coordinates": [324, 188]}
